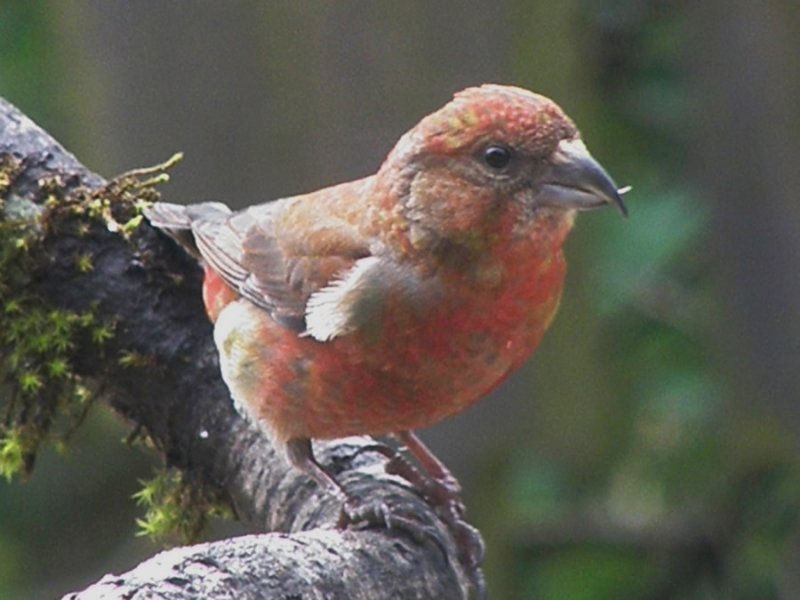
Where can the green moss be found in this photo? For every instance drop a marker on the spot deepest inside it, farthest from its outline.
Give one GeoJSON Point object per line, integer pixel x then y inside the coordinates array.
{"type": "Point", "coordinates": [12, 453]}
{"type": "Point", "coordinates": [83, 262]}
{"type": "Point", "coordinates": [133, 360]}
{"type": "Point", "coordinates": [176, 506]}
{"type": "Point", "coordinates": [42, 399]}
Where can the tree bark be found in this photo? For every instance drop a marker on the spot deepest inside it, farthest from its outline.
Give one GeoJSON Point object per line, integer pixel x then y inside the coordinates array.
{"type": "Point", "coordinates": [150, 289]}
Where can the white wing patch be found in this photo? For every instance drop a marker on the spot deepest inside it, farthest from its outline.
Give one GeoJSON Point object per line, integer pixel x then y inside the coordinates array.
{"type": "Point", "coordinates": [341, 306]}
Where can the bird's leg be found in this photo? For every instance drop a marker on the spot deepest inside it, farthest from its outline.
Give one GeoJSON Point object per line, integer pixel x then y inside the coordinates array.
{"type": "Point", "coordinates": [440, 485]}
{"type": "Point", "coordinates": [355, 511]}
{"type": "Point", "coordinates": [301, 455]}
{"type": "Point", "coordinates": [442, 489]}
{"type": "Point", "coordinates": [437, 484]}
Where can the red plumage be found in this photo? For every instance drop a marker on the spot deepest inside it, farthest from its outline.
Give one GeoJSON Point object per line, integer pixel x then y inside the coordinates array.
{"type": "Point", "coordinates": [389, 303]}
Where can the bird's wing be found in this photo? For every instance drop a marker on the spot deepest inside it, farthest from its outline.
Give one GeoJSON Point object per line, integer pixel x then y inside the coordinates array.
{"type": "Point", "coordinates": [276, 258]}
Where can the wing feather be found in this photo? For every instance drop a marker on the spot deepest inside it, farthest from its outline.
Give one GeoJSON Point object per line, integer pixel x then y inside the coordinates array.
{"type": "Point", "coordinates": [261, 253]}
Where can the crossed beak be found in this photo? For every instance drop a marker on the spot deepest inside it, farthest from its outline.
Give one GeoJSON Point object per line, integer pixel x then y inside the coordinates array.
{"type": "Point", "coordinates": [576, 180]}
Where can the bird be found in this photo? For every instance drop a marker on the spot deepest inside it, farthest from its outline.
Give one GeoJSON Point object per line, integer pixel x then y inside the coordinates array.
{"type": "Point", "coordinates": [386, 304]}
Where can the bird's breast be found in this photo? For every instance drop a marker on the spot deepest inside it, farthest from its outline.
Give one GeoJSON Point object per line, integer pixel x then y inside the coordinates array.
{"type": "Point", "coordinates": [409, 367]}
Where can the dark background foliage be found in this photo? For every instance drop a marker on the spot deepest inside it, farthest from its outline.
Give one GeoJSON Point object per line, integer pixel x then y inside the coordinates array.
{"type": "Point", "coordinates": [649, 450]}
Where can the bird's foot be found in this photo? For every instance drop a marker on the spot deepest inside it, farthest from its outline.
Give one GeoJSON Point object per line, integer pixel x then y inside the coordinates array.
{"type": "Point", "coordinates": [441, 490]}
{"type": "Point", "coordinates": [365, 514]}
{"type": "Point", "coordinates": [436, 484]}
{"type": "Point", "coordinates": [444, 494]}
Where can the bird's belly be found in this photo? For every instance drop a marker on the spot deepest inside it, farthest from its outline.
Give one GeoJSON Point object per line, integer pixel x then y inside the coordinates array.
{"type": "Point", "coordinates": [406, 375]}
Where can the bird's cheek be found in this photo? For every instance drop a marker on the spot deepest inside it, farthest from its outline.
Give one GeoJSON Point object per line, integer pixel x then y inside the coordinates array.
{"type": "Point", "coordinates": [533, 219]}
{"type": "Point", "coordinates": [446, 204]}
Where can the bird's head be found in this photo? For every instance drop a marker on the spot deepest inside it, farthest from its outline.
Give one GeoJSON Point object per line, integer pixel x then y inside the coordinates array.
{"type": "Point", "coordinates": [496, 160]}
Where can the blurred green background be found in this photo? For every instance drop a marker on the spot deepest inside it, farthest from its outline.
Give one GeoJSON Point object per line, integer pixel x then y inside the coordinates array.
{"type": "Point", "coordinates": [650, 448]}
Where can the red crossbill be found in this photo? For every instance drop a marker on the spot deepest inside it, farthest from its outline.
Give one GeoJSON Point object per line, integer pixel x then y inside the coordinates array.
{"type": "Point", "coordinates": [386, 304]}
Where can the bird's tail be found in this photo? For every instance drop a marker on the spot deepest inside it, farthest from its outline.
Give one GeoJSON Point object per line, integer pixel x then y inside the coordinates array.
{"type": "Point", "coordinates": [178, 221]}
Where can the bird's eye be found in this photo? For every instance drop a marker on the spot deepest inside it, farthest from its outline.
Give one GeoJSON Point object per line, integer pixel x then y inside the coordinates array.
{"type": "Point", "coordinates": [497, 157]}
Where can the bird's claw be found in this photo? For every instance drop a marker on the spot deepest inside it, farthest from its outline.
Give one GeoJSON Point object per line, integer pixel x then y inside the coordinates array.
{"type": "Point", "coordinates": [444, 494]}
{"type": "Point", "coordinates": [362, 515]}
{"type": "Point", "coordinates": [442, 491]}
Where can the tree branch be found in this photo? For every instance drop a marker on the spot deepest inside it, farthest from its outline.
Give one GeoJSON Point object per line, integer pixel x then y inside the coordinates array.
{"type": "Point", "coordinates": [150, 290]}
{"type": "Point", "coordinates": [313, 564]}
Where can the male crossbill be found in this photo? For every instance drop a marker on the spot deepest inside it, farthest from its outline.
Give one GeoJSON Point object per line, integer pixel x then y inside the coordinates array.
{"type": "Point", "coordinates": [386, 304]}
